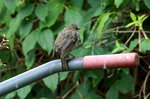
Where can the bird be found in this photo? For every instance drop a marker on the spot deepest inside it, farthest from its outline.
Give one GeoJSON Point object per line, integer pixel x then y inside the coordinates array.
{"type": "Point", "coordinates": [65, 42]}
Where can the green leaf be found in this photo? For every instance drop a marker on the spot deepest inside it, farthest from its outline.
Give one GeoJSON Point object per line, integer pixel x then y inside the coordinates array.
{"type": "Point", "coordinates": [145, 45]}
{"type": "Point", "coordinates": [133, 16]}
{"type": "Point", "coordinates": [30, 57]}
{"type": "Point", "coordinates": [85, 91]}
{"type": "Point", "coordinates": [88, 43]}
{"type": "Point", "coordinates": [123, 84]}
{"type": "Point", "coordinates": [140, 18]}
{"type": "Point", "coordinates": [102, 22]}
{"type": "Point", "coordinates": [13, 26]}
{"type": "Point", "coordinates": [96, 76]}
{"type": "Point", "coordinates": [46, 40]}
{"type": "Point", "coordinates": [76, 76]}
{"type": "Point", "coordinates": [137, 4]}
{"type": "Point", "coordinates": [133, 44]}
{"type": "Point", "coordinates": [75, 95]}
{"type": "Point", "coordinates": [73, 16]}
{"type": "Point", "coordinates": [82, 34]}
{"type": "Point", "coordinates": [25, 11]}
{"type": "Point", "coordinates": [116, 50]}
{"type": "Point", "coordinates": [43, 93]}
{"type": "Point", "coordinates": [1, 5]}
{"type": "Point", "coordinates": [130, 24]}
{"type": "Point", "coordinates": [98, 11]}
{"type": "Point", "coordinates": [119, 47]}
{"type": "Point", "coordinates": [11, 42]}
{"type": "Point", "coordinates": [15, 23]}
{"type": "Point", "coordinates": [118, 3]}
{"type": "Point", "coordinates": [85, 85]}
{"type": "Point", "coordinates": [5, 16]}
{"type": "Point", "coordinates": [41, 11]}
{"type": "Point", "coordinates": [92, 12]}
{"type": "Point", "coordinates": [90, 74]}
{"type": "Point", "coordinates": [10, 95]}
{"type": "Point", "coordinates": [112, 93]}
{"type": "Point", "coordinates": [5, 56]}
{"type": "Point", "coordinates": [80, 51]}
{"type": "Point", "coordinates": [23, 92]}
{"type": "Point", "coordinates": [11, 4]}
{"type": "Point", "coordinates": [78, 3]}
{"type": "Point", "coordinates": [25, 29]}
{"type": "Point", "coordinates": [126, 70]}
{"type": "Point", "coordinates": [147, 3]}
{"type": "Point", "coordinates": [144, 18]}
{"type": "Point", "coordinates": [100, 75]}
{"type": "Point", "coordinates": [63, 75]}
{"type": "Point", "coordinates": [96, 50]}
{"type": "Point", "coordinates": [55, 7]}
{"type": "Point", "coordinates": [30, 41]}
{"type": "Point", "coordinates": [94, 3]}
{"type": "Point", "coordinates": [118, 44]}
{"type": "Point", "coordinates": [51, 82]}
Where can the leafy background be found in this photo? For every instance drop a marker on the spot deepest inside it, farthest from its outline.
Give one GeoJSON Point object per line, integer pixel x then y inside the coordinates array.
{"type": "Point", "coordinates": [28, 29]}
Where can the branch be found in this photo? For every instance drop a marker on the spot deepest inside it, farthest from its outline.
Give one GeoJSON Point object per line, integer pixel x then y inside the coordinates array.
{"type": "Point", "coordinates": [77, 84]}
{"type": "Point", "coordinates": [130, 36]}
{"type": "Point", "coordinates": [124, 31]}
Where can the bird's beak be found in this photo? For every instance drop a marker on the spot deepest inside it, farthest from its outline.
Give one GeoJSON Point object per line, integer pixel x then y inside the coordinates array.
{"type": "Point", "coordinates": [78, 28]}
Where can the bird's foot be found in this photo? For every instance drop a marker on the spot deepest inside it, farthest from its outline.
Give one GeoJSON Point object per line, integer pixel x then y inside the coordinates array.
{"type": "Point", "coordinates": [64, 68]}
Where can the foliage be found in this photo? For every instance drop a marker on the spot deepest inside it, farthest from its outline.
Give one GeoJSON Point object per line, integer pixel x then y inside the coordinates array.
{"type": "Point", "coordinates": [30, 27]}
{"type": "Point", "coordinates": [137, 21]}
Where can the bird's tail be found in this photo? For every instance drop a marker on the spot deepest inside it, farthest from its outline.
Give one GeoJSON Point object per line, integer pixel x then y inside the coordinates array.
{"type": "Point", "coordinates": [64, 64]}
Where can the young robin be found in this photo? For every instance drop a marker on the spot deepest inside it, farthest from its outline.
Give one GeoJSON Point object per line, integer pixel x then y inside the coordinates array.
{"type": "Point", "coordinates": [65, 42]}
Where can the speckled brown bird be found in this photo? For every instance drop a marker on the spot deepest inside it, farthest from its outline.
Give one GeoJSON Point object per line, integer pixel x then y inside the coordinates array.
{"type": "Point", "coordinates": [65, 42]}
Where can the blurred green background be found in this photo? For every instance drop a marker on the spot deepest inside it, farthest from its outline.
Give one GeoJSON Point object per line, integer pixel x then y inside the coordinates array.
{"type": "Point", "coordinates": [28, 29]}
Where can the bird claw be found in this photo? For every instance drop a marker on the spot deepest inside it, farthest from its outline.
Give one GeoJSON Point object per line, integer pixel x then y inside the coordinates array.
{"type": "Point", "coordinates": [64, 68]}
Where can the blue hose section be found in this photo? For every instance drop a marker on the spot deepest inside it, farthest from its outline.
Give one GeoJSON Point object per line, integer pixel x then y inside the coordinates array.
{"type": "Point", "coordinates": [38, 73]}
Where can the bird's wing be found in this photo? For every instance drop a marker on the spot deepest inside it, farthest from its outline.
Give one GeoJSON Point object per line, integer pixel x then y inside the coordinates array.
{"type": "Point", "coordinates": [69, 44]}
{"type": "Point", "coordinates": [65, 41]}
{"type": "Point", "coordinates": [58, 42]}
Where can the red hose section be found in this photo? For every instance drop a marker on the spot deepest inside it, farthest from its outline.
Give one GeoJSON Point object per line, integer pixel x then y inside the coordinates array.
{"type": "Point", "coordinates": [111, 61]}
